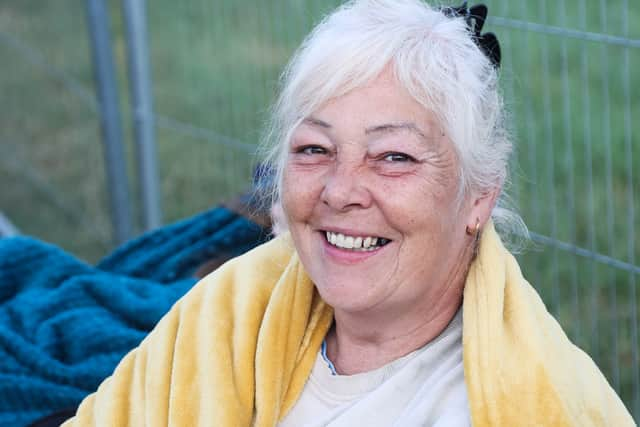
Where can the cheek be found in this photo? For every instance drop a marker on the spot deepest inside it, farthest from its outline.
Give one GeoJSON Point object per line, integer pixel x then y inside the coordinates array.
{"type": "Point", "coordinates": [300, 192]}
{"type": "Point", "coordinates": [439, 192]}
{"type": "Point", "coordinates": [420, 205]}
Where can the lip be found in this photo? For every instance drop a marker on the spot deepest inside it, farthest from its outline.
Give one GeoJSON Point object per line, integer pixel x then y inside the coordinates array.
{"type": "Point", "coordinates": [345, 256]}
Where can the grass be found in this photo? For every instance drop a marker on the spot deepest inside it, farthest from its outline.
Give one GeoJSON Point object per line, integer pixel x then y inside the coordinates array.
{"type": "Point", "coordinates": [215, 64]}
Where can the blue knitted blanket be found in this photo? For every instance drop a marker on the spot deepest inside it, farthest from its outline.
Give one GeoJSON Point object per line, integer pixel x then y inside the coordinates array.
{"type": "Point", "coordinates": [64, 324]}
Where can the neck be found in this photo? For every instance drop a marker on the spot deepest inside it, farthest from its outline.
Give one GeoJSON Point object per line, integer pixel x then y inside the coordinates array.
{"type": "Point", "coordinates": [363, 342]}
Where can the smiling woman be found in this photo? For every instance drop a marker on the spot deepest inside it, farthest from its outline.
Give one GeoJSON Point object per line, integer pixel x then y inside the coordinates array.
{"type": "Point", "coordinates": [391, 299]}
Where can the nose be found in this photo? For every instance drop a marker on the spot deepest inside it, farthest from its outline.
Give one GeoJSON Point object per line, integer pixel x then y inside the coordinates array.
{"type": "Point", "coordinates": [346, 188]}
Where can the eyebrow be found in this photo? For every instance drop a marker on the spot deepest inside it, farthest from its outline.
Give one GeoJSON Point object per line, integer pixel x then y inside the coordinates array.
{"type": "Point", "coordinates": [316, 122]}
{"type": "Point", "coordinates": [384, 128]}
{"type": "Point", "coordinates": [393, 127]}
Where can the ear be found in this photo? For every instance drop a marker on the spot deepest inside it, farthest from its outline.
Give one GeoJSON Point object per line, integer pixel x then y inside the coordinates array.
{"type": "Point", "coordinates": [481, 207]}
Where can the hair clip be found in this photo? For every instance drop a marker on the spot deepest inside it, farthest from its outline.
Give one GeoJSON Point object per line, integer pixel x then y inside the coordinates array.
{"type": "Point", "coordinates": [475, 17]}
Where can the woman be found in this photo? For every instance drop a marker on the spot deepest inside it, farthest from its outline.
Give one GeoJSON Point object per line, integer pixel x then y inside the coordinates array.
{"type": "Point", "coordinates": [392, 301]}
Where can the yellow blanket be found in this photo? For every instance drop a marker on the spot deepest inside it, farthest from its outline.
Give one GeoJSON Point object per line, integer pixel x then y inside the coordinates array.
{"type": "Point", "coordinates": [237, 350]}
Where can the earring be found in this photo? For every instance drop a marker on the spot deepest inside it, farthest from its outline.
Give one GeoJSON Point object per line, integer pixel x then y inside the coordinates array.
{"type": "Point", "coordinates": [473, 231]}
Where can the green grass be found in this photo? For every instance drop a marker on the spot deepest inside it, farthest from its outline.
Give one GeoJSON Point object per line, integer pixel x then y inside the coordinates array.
{"type": "Point", "coordinates": [215, 65]}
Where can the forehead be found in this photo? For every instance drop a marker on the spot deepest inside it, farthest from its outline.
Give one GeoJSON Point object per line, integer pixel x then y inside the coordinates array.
{"type": "Point", "coordinates": [382, 104]}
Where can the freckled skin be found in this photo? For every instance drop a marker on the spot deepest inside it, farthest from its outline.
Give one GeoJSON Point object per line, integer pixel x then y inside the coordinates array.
{"type": "Point", "coordinates": [374, 162]}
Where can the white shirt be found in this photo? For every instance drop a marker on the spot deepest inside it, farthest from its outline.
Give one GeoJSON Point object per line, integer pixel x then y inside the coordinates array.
{"type": "Point", "coordinates": [423, 388]}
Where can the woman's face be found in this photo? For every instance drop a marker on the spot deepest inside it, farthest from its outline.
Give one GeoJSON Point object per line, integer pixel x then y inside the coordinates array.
{"type": "Point", "coordinates": [369, 193]}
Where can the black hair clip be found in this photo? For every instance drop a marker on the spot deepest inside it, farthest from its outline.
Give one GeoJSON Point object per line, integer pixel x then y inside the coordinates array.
{"type": "Point", "coordinates": [475, 17]}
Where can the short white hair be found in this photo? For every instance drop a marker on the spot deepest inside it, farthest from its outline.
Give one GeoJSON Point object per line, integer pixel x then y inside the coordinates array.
{"type": "Point", "coordinates": [433, 56]}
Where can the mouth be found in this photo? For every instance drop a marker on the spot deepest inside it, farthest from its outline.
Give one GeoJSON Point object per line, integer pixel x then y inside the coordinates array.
{"type": "Point", "coordinates": [355, 243]}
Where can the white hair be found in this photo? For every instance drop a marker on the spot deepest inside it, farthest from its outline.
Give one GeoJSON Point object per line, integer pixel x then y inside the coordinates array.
{"type": "Point", "coordinates": [434, 57]}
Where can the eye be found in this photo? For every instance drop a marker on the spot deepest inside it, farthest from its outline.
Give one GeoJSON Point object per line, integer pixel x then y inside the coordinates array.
{"type": "Point", "coordinates": [311, 150]}
{"type": "Point", "coordinates": [397, 157]}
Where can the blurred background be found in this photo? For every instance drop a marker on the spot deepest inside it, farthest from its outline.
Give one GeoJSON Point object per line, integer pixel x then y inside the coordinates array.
{"type": "Point", "coordinates": [118, 116]}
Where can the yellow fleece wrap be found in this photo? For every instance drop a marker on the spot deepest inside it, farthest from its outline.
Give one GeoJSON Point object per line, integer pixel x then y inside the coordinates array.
{"type": "Point", "coordinates": [238, 348]}
{"type": "Point", "coordinates": [520, 367]}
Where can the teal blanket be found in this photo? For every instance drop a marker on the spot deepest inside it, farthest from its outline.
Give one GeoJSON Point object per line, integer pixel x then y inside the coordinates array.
{"type": "Point", "coordinates": [64, 324]}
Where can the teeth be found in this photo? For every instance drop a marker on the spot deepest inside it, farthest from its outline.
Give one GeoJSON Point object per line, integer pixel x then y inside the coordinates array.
{"type": "Point", "coordinates": [348, 242]}
{"type": "Point", "coordinates": [356, 243]}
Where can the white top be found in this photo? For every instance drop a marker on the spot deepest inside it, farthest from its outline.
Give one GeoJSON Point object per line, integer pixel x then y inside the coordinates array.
{"type": "Point", "coordinates": [423, 388]}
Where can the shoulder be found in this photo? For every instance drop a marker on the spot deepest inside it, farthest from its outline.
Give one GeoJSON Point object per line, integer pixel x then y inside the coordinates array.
{"type": "Point", "coordinates": [252, 275]}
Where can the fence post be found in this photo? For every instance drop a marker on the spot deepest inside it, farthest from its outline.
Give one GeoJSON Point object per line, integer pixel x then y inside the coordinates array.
{"type": "Point", "coordinates": [109, 111]}
{"type": "Point", "coordinates": [142, 107]}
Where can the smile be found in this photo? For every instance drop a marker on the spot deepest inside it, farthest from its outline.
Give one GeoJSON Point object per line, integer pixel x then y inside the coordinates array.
{"type": "Point", "coordinates": [355, 243]}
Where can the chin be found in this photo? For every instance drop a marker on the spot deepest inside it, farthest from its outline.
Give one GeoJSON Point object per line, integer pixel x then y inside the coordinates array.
{"type": "Point", "coordinates": [347, 298]}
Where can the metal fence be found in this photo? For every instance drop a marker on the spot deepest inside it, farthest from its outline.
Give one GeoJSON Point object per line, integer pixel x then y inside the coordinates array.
{"type": "Point", "coordinates": [568, 79]}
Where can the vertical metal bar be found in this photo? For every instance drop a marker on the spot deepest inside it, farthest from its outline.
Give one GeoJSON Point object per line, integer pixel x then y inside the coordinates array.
{"type": "Point", "coordinates": [550, 160]}
{"type": "Point", "coordinates": [606, 134]}
{"type": "Point", "coordinates": [508, 74]}
{"type": "Point", "coordinates": [142, 106]}
{"type": "Point", "coordinates": [635, 359]}
{"type": "Point", "coordinates": [531, 124]}
{"type": "Point", "coordinates": [570, 164]}
{"type": "Point", "coordinates": [266, 26]}
{"type": "Point", "coordinates": [247, 76]}
{"type": "Point", "coordinates": [227, 17]}
{"type": "Point", "coordinates": [595, 342]}
{"type": "Point", "coordinates": [186, 74]}
{"type": "Point", "coordinates": [218, 35]}
{"type": "Point", "coordinates": [105, 78]}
